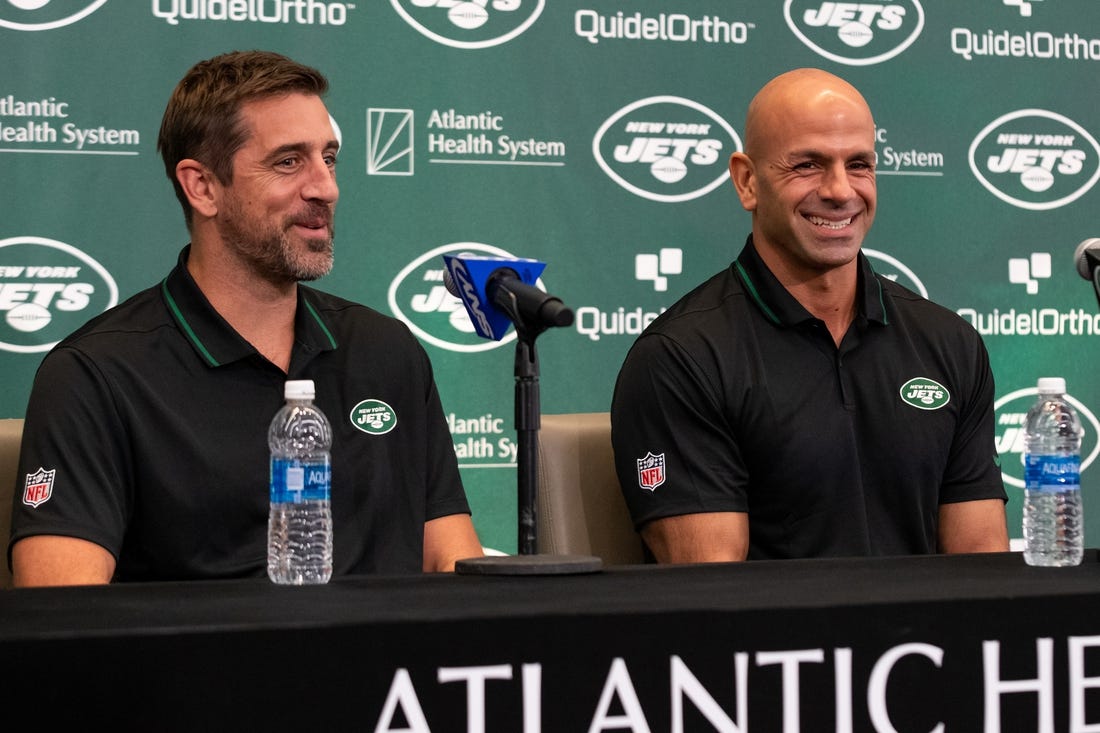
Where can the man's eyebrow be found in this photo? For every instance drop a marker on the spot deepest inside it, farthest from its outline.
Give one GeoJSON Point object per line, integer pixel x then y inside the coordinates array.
{"type": "Point", "coordinates": [300, 147]}
{"type": "Point", "coordinates": [815, 154]}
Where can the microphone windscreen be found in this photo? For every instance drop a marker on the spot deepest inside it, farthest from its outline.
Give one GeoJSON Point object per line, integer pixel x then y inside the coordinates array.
{"type": "Point", "coordinates": [448, 281]}
{"type": "Point", "coordinates": [1087, 250]}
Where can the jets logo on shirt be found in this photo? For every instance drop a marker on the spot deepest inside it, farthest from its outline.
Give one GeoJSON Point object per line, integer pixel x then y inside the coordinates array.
{"type": "Point", "coordinates": [38, 487]}
{"type": "Point", "coordinates": [651, 471]}
{"type": "Point", "coordinates": [373, 417]}
{"type": "Point", "coordinates": [924, 393]}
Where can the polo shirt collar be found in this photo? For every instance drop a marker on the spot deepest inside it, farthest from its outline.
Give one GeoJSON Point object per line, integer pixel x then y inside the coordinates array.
{"type": "Point", "coordinates": [781, 308]}
{"type": "Point", "coordinates": [214, 340]}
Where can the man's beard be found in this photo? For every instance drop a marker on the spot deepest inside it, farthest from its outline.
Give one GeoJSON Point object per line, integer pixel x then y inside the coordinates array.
{"type": "Point", "coordinates": [271, 251]}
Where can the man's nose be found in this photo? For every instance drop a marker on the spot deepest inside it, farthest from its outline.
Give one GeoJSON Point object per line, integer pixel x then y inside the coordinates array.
{"type": "Point", "coordinates": [836, 184]}
{"type": "Point", "coordinates": [322, 183]}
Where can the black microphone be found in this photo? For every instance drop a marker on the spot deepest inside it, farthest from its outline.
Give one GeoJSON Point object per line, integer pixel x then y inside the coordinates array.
{"type": "Point", "coordinates": [490, 287]}
{"type": "Point", "coordinates": [1087, 258]}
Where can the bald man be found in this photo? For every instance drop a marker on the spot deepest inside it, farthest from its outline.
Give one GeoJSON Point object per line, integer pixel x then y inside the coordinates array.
{"type": "Point", "coordinates": [797, 404]}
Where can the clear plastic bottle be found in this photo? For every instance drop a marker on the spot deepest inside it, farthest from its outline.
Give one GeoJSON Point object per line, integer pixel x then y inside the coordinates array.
{"type": "Point", "coordinates": [299, 527]}
{"type": "Point", "coordinates": [1053, 531]}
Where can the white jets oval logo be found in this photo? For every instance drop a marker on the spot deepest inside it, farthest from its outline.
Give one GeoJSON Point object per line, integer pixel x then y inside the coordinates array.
{"type": "Point", "coordinates": [47, 290]}
{"type": "Point", "coordinates": [857, 34]}
{"type": "Point", "coordinates": [1035, 159]}
{"type": "Point", "coordinates": [36, 15]}
{"type": "Point", "coordinates": [469, 24]}
{"type": "Point", "coordinates": [666, 148]}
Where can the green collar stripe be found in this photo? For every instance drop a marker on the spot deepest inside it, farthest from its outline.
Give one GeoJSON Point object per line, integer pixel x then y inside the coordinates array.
{"type": "Point", "coordinates": [881, 298]}
{"type": "Point", "coordinates": [755, 295]}
{"type": "Point", "coordinates": [185, 325]}
{"type": "Point", "coordinates": [317, 317]}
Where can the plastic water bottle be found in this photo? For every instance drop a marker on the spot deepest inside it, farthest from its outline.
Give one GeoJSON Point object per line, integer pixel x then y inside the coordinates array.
{"type": "Point", "coordinates": [1053, 532]}
{"type": "Point", "coordinates": [299, 526]}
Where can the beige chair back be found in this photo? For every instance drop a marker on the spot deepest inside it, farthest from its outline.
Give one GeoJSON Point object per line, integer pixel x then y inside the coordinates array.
{"type": "Point", "coordinates": [581, 510]}
{"type": "Point", "coordinates": [11, 434]}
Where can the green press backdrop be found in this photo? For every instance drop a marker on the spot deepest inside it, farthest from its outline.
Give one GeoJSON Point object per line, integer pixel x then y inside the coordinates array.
{"type": "Point", "coordinates": [592, 136]}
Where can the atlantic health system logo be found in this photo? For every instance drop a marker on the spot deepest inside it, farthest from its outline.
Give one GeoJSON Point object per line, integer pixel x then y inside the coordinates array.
{"type": "Point", "coordinates": [44, 15]}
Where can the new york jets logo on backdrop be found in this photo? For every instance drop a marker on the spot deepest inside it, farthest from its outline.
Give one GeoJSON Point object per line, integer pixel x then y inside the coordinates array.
{"type": "Point", "coordinates": [44, 15]}
{"type": "Point", "coordinates": [666, 148]}
{"type": "Point", "coordinates": [469, 23]}
{"type": "Point", "coordinates": [1035, 159]}
{"type": "Point", "coordinates": [47, 290]}
{"type": "Point", "coordinates": [857, 34]}
{"type": "Point", "coordinates": [924, 393]}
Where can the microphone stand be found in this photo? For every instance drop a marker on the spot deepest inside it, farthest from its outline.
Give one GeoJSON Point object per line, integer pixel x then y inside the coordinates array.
{"type": "Point", "coordinates": [528, 421]}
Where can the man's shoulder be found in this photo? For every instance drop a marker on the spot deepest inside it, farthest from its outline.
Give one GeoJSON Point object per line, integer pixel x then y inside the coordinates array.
{"type": "Point", "coordinates": [717, 300]}
{"type": "Point", "coordinates": [908, 303]}
{"type": "Point", "coordinates": [141, 313]}
{"type": "Point", "coordinates": [350, 317]}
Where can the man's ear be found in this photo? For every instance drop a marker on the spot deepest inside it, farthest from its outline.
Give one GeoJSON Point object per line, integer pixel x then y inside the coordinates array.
{"type": "Point", "coordinates": [743, 175]}
{"type": "Point", "coordinates": [199, 185]}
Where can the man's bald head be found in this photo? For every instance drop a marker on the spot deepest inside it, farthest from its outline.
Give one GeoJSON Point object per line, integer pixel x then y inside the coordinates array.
{"type": "Point", "coordinates": [789, 96]}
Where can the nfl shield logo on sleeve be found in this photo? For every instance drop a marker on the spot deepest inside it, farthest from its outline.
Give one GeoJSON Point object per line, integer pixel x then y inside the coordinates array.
{"type": "Point", "coordinates": [38, 487]}
{"type": "Point", "coordinates": [651, 471]}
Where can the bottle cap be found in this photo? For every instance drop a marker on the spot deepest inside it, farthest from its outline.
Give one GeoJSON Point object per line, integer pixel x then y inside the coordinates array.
{"type": "Point", "coordinates": [298, 389]}
{"type": "Point", "coordinates": [1052, 385]}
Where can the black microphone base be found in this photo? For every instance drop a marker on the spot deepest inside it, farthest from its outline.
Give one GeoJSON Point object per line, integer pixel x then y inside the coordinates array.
{"type": "Point", "coordinates": [529, 565]}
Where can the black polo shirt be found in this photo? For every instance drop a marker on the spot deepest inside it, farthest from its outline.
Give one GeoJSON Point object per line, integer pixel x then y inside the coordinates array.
{"type": "Point", "coordinates": [737, 399]}
{"type": "Point", "coordinates": [153, 418]}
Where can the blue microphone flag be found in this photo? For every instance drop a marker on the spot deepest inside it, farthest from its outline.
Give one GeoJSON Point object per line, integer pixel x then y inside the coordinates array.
{"type": "Point", "coordinates": [470, 277]}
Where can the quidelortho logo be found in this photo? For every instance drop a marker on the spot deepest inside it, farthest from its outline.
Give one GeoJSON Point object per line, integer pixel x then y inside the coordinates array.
{"type": "Point", "coordinates": [47, 290]}
{"type": "Point", "coordinates": [1033, 320]}
{"type": "Point", "coordinates": [666, 148]}
{"type": "Point", "coordinates": [418, 297]}
{"type": "Point", "coordinates": [44, 15]}
{"type": "Point", "coordinates": [595, 323]}
{"type": "Point", "coordinates": [1035, 159]}
{"type": "Point", "coordinates": [857, 34]}
{"type": "Point", "coordinates": [1028, 271]}
{"type": "Point", "coordinates": [656, 268]}
{"type": "Point", "coordinates": [1011, 410]}
{"type": "Point", "coordinates": [282, 12]}
{"type": "Point", "coordinates": [594, 27]}
{"type": "Point", "coordinates": [1040, 43]}
{"type": "Point", "coordinates": [469, 24]}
